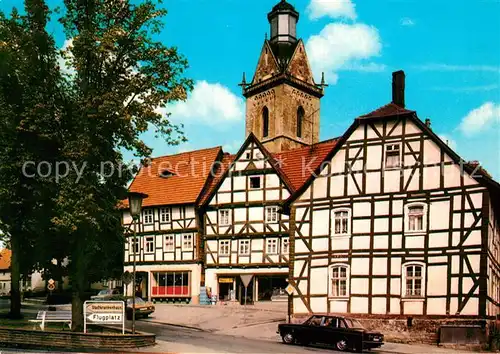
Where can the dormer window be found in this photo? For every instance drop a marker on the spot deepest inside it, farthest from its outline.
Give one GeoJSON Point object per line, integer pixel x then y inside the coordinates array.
{"type": "Point", "coordinates": [166, 174]}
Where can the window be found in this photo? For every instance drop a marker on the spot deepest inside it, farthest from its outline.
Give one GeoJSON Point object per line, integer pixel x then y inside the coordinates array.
{"type": "Point", "coordinates": [413, 275]}
{"type": "Point", "coordinates": [272, 214]}
{"type": "Point", "coordinates": [150, 244]}
{"type": "Point", "coordinates": [165, 215]}
{"type": "Point", "coordinates": [134, 245]}
{"type": "Point", "coordinates": [187, 242]}
{"type": "Point", "coordinates": [285, 245]}
{"type": "Point", "coordinates": [169, 243]}
{"type": "Point", "coordinates": [148, 216]}
{"type": "Point", "coordinates": [265, 122]}
{"type": "Point", "coordinates": [272, 246]}
{"type": "Point", "coordinates": [248, 155]}
{"type": "Point", "coordinates": [300, 118]}
{"type": "Point", "coordinates": [415, 215]}
{"type": "Point", "coordinates": [224, 248]}
{"type": "Point", "coordinates": [339, 281]}
{"type": "Point", "coordinates": [392, 155]}
{"type": "Point", "coordinates": [224, 219]}
{"type": "Point", "coordinates": [255, 182]}
{"type": "Point", "coordinates": [244, 249]}
{"type": "Point", "coordinates": [340, 223]}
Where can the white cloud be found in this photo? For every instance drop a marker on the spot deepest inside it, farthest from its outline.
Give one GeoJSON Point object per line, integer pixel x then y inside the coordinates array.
{"type": "Point", "coordinates": [65, 57]}
{"type": "Point", "coordinates": [367, 68]}
{"type": "Point", "coordinates": [209, 103]}
{"type": "Point", "coordinates": [407, 22]}
{"type": "Point", "coordinates": [448, 67]}
{"type": "Point", "coordinates": [480, 118]}
{"type": "Point", "coordinates": [331, 8]}
{"type": "Point", "coordinates": [342, 46]}
{"type": "Point", "coordinates": [448, 141]}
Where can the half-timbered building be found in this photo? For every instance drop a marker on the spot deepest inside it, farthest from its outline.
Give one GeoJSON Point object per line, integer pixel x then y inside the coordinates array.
{"type": "Point", "coordinates": [168, 243]}
{"type": "Point", "coordinates": [394, 222]}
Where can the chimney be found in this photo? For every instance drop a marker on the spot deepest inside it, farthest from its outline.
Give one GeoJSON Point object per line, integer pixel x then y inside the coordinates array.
{"type": "Point", "coordinates": [398, 88]}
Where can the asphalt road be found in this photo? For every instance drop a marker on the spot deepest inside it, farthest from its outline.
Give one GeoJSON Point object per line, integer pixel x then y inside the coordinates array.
{"type": "Point", "coordinates": [176, 339]}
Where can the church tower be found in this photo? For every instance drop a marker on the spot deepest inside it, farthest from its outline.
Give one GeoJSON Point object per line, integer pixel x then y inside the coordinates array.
{"type": "Point", "coordinates": [283, 101]}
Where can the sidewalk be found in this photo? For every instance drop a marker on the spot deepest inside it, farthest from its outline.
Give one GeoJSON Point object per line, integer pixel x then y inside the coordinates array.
{"type": "Point", "coordinates": [219, 318]}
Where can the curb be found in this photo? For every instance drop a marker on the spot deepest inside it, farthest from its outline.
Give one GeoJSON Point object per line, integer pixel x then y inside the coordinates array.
{"type": "Point", "coordinates": [175, 325]}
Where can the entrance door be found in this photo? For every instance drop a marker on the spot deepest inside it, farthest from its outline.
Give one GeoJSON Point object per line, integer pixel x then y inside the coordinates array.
{"type": "Point", "coordinates": [141, 284]}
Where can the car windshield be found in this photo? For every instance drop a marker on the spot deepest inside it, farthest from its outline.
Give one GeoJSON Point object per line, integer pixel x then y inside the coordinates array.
{"type": "Point", "coordinates": [352, 323]}
{"type": "Point", "coordinates": [103, 292]}
{"type": "Point", "coordinates": [138, 301]}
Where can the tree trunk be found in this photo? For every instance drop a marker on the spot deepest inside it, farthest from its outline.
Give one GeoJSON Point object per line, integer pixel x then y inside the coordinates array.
{"type": "Point", "coordinates": [78, 285]}
{"type": "Point", "coordinates": [15, 276]}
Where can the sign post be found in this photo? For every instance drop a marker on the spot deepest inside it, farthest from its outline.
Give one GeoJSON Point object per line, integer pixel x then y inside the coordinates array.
{"type": "Point", "coordinates": [246, 279]}
{"type": "Point", "coordinates": [103, 312]}
{"type": "Point", "coordinates": [289, 289]}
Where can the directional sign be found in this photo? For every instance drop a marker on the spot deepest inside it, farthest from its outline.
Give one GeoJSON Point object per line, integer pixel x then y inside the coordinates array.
{"type": "Point", "coordinates": [290, 289]}
{"type": "Point", "coordinates": [51, 281]}
{"type": "Point", "coordinates": [246, 279]}
{"type": "Point", "coordinates": [105, 318]}
{"type": "Point", "coordinates": [51, 287]}
{"type": "Point", "coordinates": [104, 312]}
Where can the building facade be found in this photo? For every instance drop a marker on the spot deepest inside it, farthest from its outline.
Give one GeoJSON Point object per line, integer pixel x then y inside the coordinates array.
{"type": "Point", "coordinates": [386, 220]}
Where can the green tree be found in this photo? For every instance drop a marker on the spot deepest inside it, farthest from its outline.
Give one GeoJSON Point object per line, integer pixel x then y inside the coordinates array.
{"type": "Point", "coordinates": [28, 132]}
{"type": "Point", "coordinates": [122, 76]}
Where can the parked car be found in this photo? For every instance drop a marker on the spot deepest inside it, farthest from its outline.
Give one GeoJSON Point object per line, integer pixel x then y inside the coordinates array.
{"type": "Point", "coordinates": [105, 294]}
{"type": "Point", "coordinates": [342, 332]}
{"type": "Point", "coordinates": [142, 308]}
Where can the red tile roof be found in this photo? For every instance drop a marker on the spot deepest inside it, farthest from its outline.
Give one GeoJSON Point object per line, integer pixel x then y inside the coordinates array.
{"type": "Point", "coordinates": [191, 170]}
{"type": "Point", "coordinates": [5, 256]}
{"type": "Point", "coordinates": [299, 164]}
{"type": "Point", "coordinates": [388, 110]}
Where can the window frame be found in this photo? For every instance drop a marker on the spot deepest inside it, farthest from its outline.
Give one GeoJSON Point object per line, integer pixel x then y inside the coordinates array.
{"type": "Point", "coordinates": [276, 243]}
{"type": "Point", "coordinates": [386, 146]}
{"type": "Point", "coordinates": [165, 212]}
{"type": "Point", "coordinates": [407, 218]}
{"type": "Point", "coordinates": [173, 244]}
{"type": "Point", "coordinates": [134, 241]}
{"type": "Point", "coordinates": [266, 211]}
{"type": "Point", "coordinates": [287, 251]}
{"type": "Point", "coordinates": [187, 249]}
{"type": "Point", "coordinates": [146, 213]}
{"type": "Point", "coordinates": [228, 217]}
{"type": "Point", "coordinates": [349, 222]}
{"type": "Point", "coordinates": [404, 296]}
{"type": "Point", "coordinates": [250, 178]}
{"type": "Point", "coordinates": [240, 244]}
{"type": "Point", "coordinates": [347, 280]}
{"type": "Point", "coordinates": [223, 244]}
{"type": "Point", "coordinates": [147, 242]}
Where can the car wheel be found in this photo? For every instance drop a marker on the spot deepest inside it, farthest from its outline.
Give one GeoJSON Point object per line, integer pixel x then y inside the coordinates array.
{"type": "Point", "coordinates": [288, 338]}
{"type": "Point", "coordinates": [341, 345]}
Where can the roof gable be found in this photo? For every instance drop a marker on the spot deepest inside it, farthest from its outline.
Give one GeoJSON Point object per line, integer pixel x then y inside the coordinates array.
{"type": "Point", "coordinates": [389, 110]}
{"type": "Point", "coordinates": [299, 64]}
{"type": "Point", "coordinates": [267, 65]}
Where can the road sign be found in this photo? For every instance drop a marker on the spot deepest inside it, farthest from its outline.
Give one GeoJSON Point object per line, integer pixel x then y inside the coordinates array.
{"type": "Point", "coordinates": [290, 289]}
{"type": "Point", "coordinates": [103, 312]}
{"type": "Point", "coordinates": [127, 277]}
{"type": "Point", "coordinates": [246, 279]}
{"type": "Point", "coordinates": [51, 287]}
{"type": "Point", "coordinates": [51, 281]}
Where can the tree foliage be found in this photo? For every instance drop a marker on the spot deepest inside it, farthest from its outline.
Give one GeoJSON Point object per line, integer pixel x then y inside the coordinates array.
{"type": "Point", "coordinates": [115, 84]}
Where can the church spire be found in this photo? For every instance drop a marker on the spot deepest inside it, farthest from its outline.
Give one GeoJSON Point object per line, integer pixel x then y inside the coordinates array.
{"type": "Point", "coordinates": [283, 19]}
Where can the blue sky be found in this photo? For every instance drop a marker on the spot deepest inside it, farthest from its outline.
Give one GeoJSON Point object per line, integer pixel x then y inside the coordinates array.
{"type": "Point", "coordinates": [449, 50]}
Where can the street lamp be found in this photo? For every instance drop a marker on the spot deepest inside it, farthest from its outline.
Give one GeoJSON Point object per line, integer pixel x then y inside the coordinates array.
{"type": "Point", "coordinates": [135, 203]}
